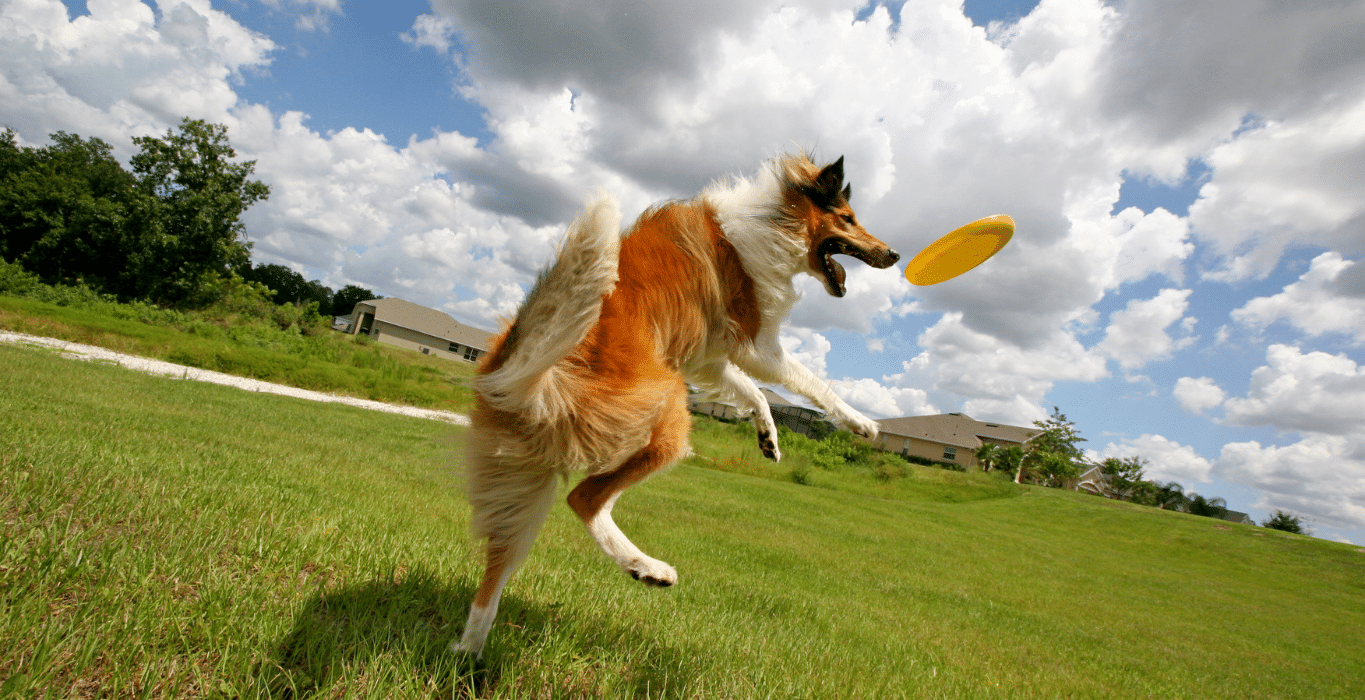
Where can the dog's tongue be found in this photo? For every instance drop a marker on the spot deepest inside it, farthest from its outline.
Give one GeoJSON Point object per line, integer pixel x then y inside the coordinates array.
{"type": "Point", "coordinates": [838, 273]}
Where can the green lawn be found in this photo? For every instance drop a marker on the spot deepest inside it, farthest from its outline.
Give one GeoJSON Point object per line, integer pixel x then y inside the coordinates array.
{"type": "Point", "coordinates": [162, 538]}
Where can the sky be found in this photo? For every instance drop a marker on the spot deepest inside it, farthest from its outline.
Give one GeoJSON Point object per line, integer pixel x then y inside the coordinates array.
{"type": "Point", "coordinates": [1187, 178]}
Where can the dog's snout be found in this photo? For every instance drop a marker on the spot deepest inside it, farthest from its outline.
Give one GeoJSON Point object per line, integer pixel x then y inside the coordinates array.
{"type": "Point", "coordinates": [893, 256]}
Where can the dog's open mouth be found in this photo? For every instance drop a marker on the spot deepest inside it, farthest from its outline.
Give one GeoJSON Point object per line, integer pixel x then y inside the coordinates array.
{"type": "Point", "coordinates": [834, 272]}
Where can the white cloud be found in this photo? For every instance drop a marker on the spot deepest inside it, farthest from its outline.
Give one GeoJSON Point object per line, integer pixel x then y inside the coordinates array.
{"type": "Point", "coordinates": [1329, 298]}
{"type": "Point", "coordinates": [1287, 183]}
{"type": "Point", "coordinates": [118, 72]}
{"type": "Point", "coordinates": [1304, 392]}
{"type": "Point", "coordinates": [1166, 460]}
{"type": "Point", "coordinates": [1198, 395]}
{"type": "Point", "coordinates": [1137, 335]}
{"type": "Point", "coordinates": [430, 30]}
{"type": "Point", "coordinates": [1322, 476]}
{"type": "Point", "coordinates": [312, 14]}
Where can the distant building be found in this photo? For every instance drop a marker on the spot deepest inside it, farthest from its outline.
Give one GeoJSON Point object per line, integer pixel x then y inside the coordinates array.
{"type": "Point", "coordinates": [1238, 517]}
{"type": "Point", "coordinates": [415, 327]}
{"type": "Point", "coordinates": [947, 437]}
{"type": "Point", "coordinates": [797, 418]}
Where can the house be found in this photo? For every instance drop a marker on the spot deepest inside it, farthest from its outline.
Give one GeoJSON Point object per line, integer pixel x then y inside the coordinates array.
{"type": "Point", "coordinates": [1092, 481]}
{"type": "Point", "coordinates": [1233, 516]}
{"type": "Point", "coordinates": [415, 327]}
{"type": "Point", "coordinates": [947, 437]}
{"type": "Point", "coordinates": [798, 419]}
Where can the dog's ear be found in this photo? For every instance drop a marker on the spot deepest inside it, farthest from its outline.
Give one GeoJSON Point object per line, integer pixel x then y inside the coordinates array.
{"type": "Point", "coordinates": [831, 179]}
{"type": "Point", "coordinates": [824, 191]}
{"type": "Point", "coordinates": [848, 193]}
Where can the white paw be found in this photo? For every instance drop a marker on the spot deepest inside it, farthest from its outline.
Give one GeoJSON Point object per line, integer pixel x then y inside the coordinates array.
{"type": "Point", "coordinates": [860, 425]}
{"type": "Point", "coordinates": [651, 572]}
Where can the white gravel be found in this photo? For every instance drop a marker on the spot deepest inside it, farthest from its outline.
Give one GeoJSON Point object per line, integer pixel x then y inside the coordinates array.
{"type": "Point", "coordinates": [89, 352]}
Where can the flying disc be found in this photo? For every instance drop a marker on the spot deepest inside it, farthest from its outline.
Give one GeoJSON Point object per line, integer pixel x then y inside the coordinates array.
{"type": "Point", "coordinates": [960, 250]}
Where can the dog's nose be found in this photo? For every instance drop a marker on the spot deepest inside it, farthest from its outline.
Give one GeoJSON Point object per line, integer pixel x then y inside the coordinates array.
{"type": "Point", "coordinates": [893, 256]}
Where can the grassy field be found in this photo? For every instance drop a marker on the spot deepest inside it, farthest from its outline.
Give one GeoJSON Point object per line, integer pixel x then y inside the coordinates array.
{"type": "Point", "coordinates": [330, 362]}
{"type": "Point", "coordinates": [160, 538]}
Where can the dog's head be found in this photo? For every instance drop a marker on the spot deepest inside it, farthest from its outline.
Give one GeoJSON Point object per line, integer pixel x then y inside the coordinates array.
{"type": "Point", "coordinates": [821, 201]}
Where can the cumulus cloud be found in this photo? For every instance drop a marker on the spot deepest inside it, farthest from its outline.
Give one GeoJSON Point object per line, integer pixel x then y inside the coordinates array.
{"type": "Point", "coordinates": [1321, 475]}
{"type": "Point", "coordinates": [1303, 392]}
{"type": "Point", "coordinates": [312, 15]}
{"type": "Point", "coordinates": [1329, 298]}
{"type": "Point", "coordinates": [1137, 335]}
{"type": "Point", "coordinates": [1166, 460]}
{"type": "Point", "coordinates": [1198, 395]}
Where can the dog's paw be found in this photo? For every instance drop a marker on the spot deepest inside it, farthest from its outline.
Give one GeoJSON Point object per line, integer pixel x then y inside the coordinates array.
{"type": "Point", "coordinates": [652, 572]}
{"type": "Point", "coordinates": [767, 443]}
{"type": "Point", "coordinates": [860, 425]}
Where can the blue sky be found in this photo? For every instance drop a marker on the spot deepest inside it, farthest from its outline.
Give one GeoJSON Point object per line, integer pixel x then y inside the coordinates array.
{"type": "Point", "coordinates": [1184, 283]}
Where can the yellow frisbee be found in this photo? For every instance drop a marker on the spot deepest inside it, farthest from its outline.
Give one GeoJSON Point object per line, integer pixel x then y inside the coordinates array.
{"type": "Point", "coordinates": [960, 250]}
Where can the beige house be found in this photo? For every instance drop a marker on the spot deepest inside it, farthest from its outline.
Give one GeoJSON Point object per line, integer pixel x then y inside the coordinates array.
{"type": "Point", "coordinates": [947, 437]}
{"type": "Point", "coordinates": [797, 418]}
{"type": "Point", "coordinates": [415, 327]}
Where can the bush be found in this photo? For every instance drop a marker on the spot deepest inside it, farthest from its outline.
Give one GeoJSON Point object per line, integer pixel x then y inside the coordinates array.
{"type": "Point", "coordinates": [1286, 522]}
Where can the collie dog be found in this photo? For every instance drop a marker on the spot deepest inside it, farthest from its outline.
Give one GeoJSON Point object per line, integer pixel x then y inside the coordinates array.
{"type": "Point", "coordinates": [592, 374]}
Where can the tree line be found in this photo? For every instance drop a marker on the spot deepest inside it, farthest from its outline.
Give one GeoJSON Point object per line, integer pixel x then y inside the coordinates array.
{"type": "Point", "coordinates": [168, 230]}
{"type": "Point", "coordinates": [1054, 459]}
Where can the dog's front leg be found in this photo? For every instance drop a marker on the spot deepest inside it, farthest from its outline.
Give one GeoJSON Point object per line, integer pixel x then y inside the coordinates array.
{"type": "Point", "coordinates": [727, 383]}
{"type": "Point", "coordinates": [781, 368]}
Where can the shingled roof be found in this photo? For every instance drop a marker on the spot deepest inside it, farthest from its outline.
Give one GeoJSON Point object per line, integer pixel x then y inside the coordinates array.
{"type": "Point", "coordinates": [956, 429]}
{"type": "Point", "coordinates": [416, 317]}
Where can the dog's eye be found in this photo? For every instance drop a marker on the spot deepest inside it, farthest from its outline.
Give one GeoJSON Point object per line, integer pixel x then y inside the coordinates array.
{"type": "Point", "coordinates": [848, 218]}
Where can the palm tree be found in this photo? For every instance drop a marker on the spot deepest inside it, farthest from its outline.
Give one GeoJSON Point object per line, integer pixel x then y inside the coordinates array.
{"type": "Point", "coordinates": [1208, 507]}
{"type": "Point", "coordinates": [987, 454]}
{"type": "Point", "coordinates": [1011, 458]}
{"type": "Point", "coordinates": [1170, 496]}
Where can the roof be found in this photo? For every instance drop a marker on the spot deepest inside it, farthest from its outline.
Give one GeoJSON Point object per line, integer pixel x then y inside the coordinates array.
{"type": "Point", "coordinates": [400, 312]}
{"type": "Point", "coordinates": [955, 429]}
{"type": "Point", "coordinates": [776, 399]}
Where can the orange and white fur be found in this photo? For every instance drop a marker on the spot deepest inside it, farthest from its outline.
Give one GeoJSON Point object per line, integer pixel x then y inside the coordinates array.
{"type": "Point", "coordinates": [592, 374]}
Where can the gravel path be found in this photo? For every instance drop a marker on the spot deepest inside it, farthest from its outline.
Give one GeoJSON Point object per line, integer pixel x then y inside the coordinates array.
{"type": "Point", "coordinates": [170, 369]}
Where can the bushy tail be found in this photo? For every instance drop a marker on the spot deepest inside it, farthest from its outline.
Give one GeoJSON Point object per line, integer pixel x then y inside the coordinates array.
{"type": "Point", "coordinates": [558, 313]}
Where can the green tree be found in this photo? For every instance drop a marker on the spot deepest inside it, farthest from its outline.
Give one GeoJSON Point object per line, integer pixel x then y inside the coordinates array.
{"type": "Point", "coordinates": [345, 300]}
{"type": "Point", "coordinates": [1208, 507]}
{"type": "Point", "coordinates": [66, 210]}
{"type": "Point", "coordinates": [195, 234]}
{"type": "Point", "coordinates": [1286, 522]}
{"type": "Point", "coordinates": [290, 287]}
{"type": "Point", "coordinates": [1124, 477]}
{"type": "Point", "coordinates": [1169, 496]}
{"type": "Point", "coordinates": [987, 455]}
{"type": "Point", "coordinates": [1052, 456]}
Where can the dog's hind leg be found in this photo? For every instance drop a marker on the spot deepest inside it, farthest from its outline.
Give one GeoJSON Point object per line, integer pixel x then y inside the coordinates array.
{"type": "Point", "coordinates": [509, 508]}
{"type": "Point", "coordinates": [595, 496]}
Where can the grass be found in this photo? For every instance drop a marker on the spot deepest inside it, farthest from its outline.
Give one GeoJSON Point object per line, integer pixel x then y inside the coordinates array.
{"type": "Point", "coordinates": [161, 538]}
{"type": "Point", "coordinates": [330, 362]}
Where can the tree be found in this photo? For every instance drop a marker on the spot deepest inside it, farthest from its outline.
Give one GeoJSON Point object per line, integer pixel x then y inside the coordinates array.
{"type": "Point", "coordinates": [66, 210]}
{"type": "Point", "coordinates": [1169, 496]}
{"type": "Point", "coordinates": [290, 288]}
{"type": "Point", "coordinates": [1052, 456]}
{"type": "Point", "coordinates": [196, 233]}
{"type": "Point", "coordinates": [1208, 507]}
{"type": "Point", "coordinates": [345, 300]}
{"type": "Point", "coordinates": [1124, 477]}
{"type": "Point", "coordinates": [987, 455]}
{"type": "Point", "coordinates": [1286, 522]}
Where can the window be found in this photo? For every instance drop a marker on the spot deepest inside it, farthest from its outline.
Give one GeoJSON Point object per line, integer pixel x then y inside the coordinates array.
{"type": "Point", "coordinates": [950, 452]}
{"type": "Point", "coordinates": [471, 354]}
{"type": "Point", "coordinates": [455, 348]}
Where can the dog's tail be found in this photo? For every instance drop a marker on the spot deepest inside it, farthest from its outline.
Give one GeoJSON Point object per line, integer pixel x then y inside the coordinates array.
{"type": "Point", "coordinates": [558, 313]}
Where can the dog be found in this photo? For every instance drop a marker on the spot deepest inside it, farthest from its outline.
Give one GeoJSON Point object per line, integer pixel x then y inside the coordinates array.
{"type": "Point", "coordinates": [592, 373]}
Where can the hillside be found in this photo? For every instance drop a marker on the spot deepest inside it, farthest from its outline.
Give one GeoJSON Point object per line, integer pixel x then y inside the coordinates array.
{"type": "Point", "coordinates": [168, 539]}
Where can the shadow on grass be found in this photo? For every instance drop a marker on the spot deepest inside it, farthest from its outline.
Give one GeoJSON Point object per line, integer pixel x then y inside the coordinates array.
{"type": "Point", "coordinates": [395, 632]}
